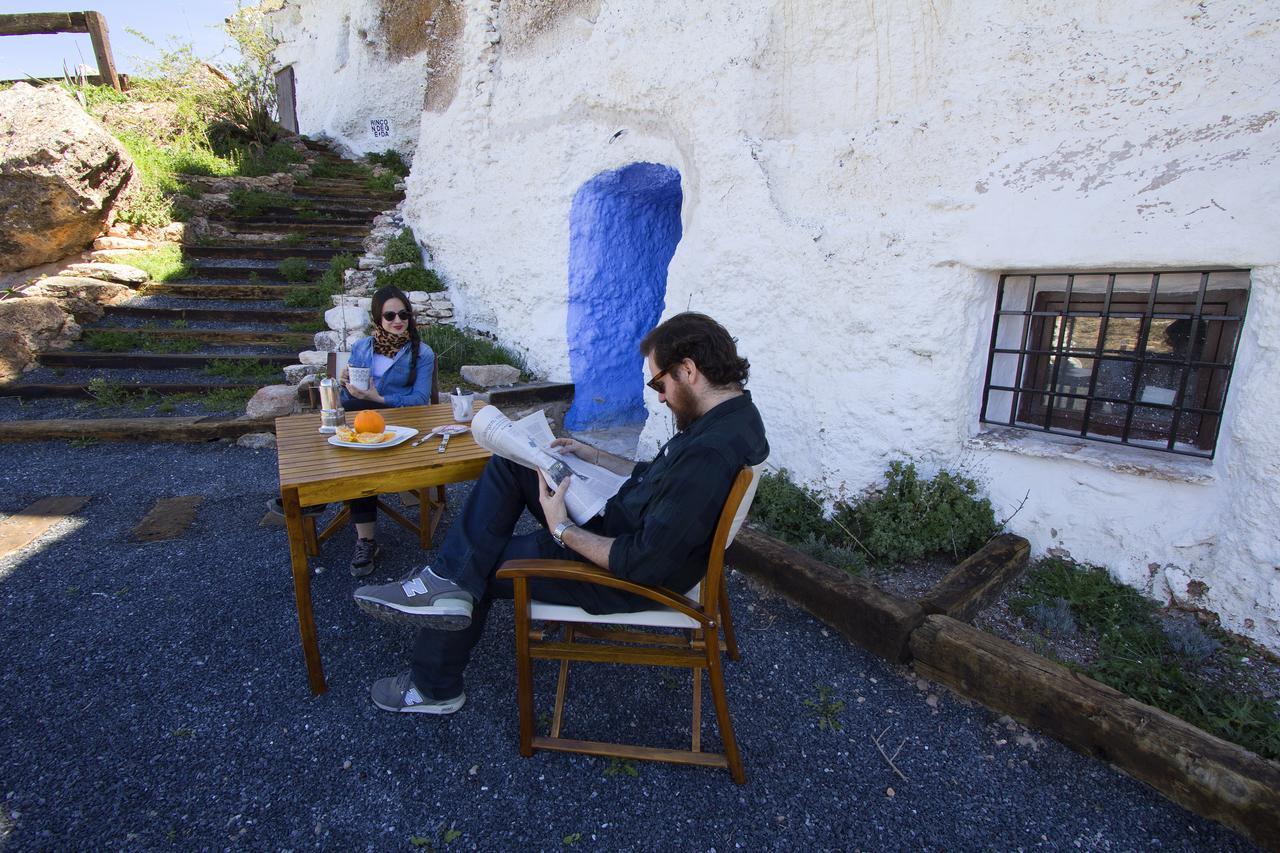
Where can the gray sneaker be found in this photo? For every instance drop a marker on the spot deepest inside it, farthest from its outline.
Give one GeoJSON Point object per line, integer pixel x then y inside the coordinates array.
{"type": "Point", "coordinates": [398, 694]}
{"type": "Point", "coordinates": [363, 557]}
{"type": "Point", "coordinates": [423, 599]}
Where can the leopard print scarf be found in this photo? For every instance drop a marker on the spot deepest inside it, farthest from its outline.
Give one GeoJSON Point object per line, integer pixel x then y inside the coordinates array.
{"type": "Point", "coordinates": [386, 343]}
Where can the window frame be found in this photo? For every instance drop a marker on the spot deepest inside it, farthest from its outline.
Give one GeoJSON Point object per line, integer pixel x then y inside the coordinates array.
{"type": "Point", "coordinates": [1201, 375]}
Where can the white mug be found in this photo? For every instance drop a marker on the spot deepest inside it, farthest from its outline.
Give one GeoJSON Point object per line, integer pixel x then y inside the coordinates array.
{"type": "Point", "coordinates": [463, 406]}
{"type": "Point", "coordinates": [359, 377]}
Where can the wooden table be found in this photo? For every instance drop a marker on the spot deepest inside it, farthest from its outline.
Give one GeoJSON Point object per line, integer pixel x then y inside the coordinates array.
{"type": "Point", "coordinates": [314, 472]}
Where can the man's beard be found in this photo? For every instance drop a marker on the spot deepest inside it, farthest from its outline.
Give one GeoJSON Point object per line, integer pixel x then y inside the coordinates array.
{"type": "Point", "coordinates": [680, 402]}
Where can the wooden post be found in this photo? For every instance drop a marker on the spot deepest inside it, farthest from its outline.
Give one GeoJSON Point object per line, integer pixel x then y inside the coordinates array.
{"type": "Point", "coordinates": [97, 26]}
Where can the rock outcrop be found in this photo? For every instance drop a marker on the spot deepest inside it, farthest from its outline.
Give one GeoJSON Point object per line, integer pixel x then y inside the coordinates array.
{"type": "Point", "coordinates": [27, 326]}
{"type": "Point", "coordinates": [82, 297]}
{"type": "Point", "coordinates": [59, 176]}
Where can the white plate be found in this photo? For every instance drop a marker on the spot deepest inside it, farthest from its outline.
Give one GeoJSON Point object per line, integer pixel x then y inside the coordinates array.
{"type": "Point", "coordinates": [403, 434]}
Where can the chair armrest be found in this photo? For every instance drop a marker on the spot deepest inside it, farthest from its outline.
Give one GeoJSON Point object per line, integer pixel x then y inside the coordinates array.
{"type": "Point", "coordinates": [571, 570]}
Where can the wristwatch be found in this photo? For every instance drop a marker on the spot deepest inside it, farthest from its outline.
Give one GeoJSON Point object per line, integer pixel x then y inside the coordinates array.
{"type": "Point", "coordinates": [559, 532]}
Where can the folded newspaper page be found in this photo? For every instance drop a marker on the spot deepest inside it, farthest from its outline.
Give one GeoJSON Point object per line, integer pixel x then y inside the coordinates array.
{"type": "Point", "coordinates": [528, 442]}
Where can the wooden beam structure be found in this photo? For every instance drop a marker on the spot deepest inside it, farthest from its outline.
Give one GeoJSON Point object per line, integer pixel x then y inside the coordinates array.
{"type": "Point", "coordinates": [51, 23]}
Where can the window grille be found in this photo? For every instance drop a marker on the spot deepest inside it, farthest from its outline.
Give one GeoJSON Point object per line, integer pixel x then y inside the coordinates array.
{"type": "Point", "coordinates": [1141, 359]}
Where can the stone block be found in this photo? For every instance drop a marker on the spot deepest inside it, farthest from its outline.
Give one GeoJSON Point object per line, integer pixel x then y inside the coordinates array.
{"type": "Point", "coordinates": [294, 373]}
{"type": "Point", "coordinates": [397, 267]}
{"type": "Point", "coordinates": [490, 375]}
{"type": "Point", "coordinates": [257, 440]}
{"type": "Point", "coordinates": [346, 318]}
{"type": "Point", "coordinates": [418, 297]}
{"type": "Point", "coordinates": [364, 303]}
{"type": "Point", "coordinates": [313, 358]}
{"type": "Point", "coordinates": [273, 401]}
{"type": "Point", "coordinates": [118, 273]}
{"type": "Point", "coordinates": [371, 262]}
{"type": "Point", "coordinates": [328, 341]}
{"type": "Point", "coordinates": [353, 337]}
{"type": "Point", "coordinates": [114, 243]}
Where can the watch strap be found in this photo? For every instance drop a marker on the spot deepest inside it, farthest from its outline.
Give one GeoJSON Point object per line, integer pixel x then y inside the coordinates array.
{"type": "Point", "coordinates": [561, 528]}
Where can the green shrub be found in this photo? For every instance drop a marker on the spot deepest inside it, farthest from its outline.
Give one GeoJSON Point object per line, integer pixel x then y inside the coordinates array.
{"type": "Point", "coordinates": [329, 285]}
{"type": "Point", "coordinates": [789, 511]}
{"type": "Point", "coordinates": [294, 269]}
{"type": "Point", "coordinates": [383, 183]}
{"type": "Point", "coordinates": [293, 238]}
{"type": "Point", "coordinates": [246, 204]}
{"type": "Point", "coordinates": [454, 348]}
{"type": "Point", "coordinates": [403, 249]}
{"type": "Point", "coordinates": [111, 341]}
{"type": "Point", "coordinates": [912, 518]}
{"type": "Point", "coordinates": [162, 264]}
{"type": "Point", "coordinates": [109, 395]}
{"type": "Point", "coordinates": [1136, 657]}
{"type": "Point", "coordinates": [392, 160]}
{"type": "Point", "coordinates": [414, 278]}
{"type": "Point", "coordinates": [241, 370]}
{"type": "Point", "coordinates": [340, 169]}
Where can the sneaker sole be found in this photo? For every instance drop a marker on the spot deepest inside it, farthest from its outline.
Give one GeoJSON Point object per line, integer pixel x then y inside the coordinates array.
{"type": "Point", "coordinates": [442, 620]}
{"type": "Point", "coordinates": [439, 710]}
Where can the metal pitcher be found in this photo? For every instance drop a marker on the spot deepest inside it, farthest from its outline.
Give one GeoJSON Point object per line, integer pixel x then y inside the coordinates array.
{"type": "Point", "coordinates": [331, 414]}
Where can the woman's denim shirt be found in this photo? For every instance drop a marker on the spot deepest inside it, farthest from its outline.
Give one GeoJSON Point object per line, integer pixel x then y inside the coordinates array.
{"type": "Point", "coordinates": [394, 384]}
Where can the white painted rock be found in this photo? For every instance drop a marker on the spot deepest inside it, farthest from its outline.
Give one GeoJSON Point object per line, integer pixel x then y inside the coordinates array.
{"type": "Point", "coordinates": [371, 262]}
{"type": "Point", "coordinates": [257, 441]}
{"type": "Point", "coordinates": [397, 267]}
{"type": "Point", "coordinates": [353, 337]}
{"type": "Point", "coordinates": [328, 341]}
{"type": "Point", "coordinates": [119, 273]}
{"type": "Point", "coordinates": [418, 297]}
{"type": "Point", "coordinates": [489, 375]}
{"type": "Point", "coordinates": [294, 373]}
{"type": "Point", "coordinates": [364, 303]}
{"type": "Point", "coordinates": [346, 318]}
{"type": "Point", "coordinates": [312, 358]}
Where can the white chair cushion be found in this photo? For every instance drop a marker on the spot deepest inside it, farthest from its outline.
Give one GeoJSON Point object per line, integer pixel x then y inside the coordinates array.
{"type": "Point", "coordinates": [660, 618]}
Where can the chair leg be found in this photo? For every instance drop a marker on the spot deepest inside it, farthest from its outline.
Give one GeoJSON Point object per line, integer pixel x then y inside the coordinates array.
{"type": "Point", "coordinates": [722, 714]}
{"type": "Point", "coordinates": [524, 668]}
{"type": "Point", "coordinates": [726, 619]}
{"type": "Point", "coordinates": [557, 715]}
{"type": "Point", "coordinates": [697, 709]}
{"type": "Point", "coordinates": [309, 541]}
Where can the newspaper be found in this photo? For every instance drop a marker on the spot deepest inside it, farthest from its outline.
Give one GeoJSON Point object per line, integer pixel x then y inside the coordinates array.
{"type": "Point", "coordinates": [528, 443]}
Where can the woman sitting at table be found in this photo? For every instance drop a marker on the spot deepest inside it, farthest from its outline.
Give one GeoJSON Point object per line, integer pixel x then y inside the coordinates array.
{"type": "Point", "coordinates": [401, 370]}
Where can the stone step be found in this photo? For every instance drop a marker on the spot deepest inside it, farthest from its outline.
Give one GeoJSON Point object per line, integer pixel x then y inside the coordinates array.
{"type": "Point", "coordinates": [219, 337]}
{"type": "Point", "coordinates": [48, 390]}
{"type": "Point", "coordinates": [196, 315]}
{"type": "Point", "coordinates": [219, 290]}
{"type": "Point", "coordinates": [209, 428]}
{"type": "Point", "coordinates": [292, 220]}
{"type": "Point", "coordinates": [154, 361]}
{"type": "Point", "coordinates": [266, 225]}
{"type": "Point", "coordinates": [276, 252]}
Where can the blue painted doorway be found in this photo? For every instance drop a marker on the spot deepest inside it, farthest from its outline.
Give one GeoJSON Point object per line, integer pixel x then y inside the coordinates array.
{"type": "Point", "coordinates": [623, 229]}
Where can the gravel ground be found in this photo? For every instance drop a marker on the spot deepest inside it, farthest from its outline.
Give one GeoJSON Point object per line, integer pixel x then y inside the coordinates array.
{"type": "Point", "coordinates": [153, 695]}
{"type": "Point", "coordinates": [163, 301]}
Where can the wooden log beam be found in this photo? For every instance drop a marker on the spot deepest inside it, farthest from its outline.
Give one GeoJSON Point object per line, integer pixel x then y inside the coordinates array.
{"type": "Point", "coordinates": [971, 586]}
{"type": "Point", "coordinates": [135, 429]}
{"type": "Point", "coordinates": [1208, 775]}
{"type": "Point", "coordinates": [42, 23]}
{"type": "Point", "coordinates": [97, 24]}
{"type": "Point", "coordinates": [877, 621]}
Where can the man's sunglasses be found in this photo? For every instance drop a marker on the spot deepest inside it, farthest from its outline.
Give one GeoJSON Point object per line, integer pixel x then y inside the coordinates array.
{"type": "Point", "coordinates": [391, 315]}
{"type": "Point", "coordinates": [656, 382]}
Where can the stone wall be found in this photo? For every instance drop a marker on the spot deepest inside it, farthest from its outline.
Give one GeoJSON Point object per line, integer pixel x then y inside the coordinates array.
{"type": "Point", "coordinates": [854, 181]}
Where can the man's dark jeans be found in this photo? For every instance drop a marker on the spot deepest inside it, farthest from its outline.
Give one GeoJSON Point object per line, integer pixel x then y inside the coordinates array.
{"type": "Point", "coordinates": [478, 543]}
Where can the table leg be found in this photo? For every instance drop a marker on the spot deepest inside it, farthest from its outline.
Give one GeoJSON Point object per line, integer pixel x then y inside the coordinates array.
{"type": "Point", "coordinates": [302, 589]}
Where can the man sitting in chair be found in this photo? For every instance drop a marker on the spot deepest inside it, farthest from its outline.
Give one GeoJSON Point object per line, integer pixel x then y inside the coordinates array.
{"type": "Point", "coordinates": [656, 530]}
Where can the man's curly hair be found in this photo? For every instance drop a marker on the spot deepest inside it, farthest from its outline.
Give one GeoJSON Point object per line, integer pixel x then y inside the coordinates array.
{"type": "Point", "coordinates": [702, 340]}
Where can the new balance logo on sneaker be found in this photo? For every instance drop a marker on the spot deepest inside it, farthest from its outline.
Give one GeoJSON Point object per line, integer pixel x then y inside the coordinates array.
{"type": "Point", "coordinates": [426, 600]}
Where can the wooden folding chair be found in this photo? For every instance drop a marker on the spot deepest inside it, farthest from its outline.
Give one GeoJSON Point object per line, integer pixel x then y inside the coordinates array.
{"type": "Point", "coordinates": [700, 614]}
{"type": "Point", "coordinates": [432, 501]}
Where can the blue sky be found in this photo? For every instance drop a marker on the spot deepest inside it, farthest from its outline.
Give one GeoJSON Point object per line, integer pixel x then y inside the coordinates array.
{"type": "Point", "coordinates": [43, 56]}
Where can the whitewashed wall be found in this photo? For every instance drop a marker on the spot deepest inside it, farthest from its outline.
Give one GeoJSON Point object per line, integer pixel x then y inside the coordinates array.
{"type": "Point", "coordinates": [855, 178]}
{"type": "Point", "coordinates": [345, 79]}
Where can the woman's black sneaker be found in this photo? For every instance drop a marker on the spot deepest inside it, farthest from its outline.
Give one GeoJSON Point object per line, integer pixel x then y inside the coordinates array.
{"type": "Point", "coordinates": [363, 557]}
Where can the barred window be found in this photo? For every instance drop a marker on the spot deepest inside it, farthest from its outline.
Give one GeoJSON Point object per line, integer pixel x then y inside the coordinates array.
{"type": "Point", "coordinates": [1131, 358]}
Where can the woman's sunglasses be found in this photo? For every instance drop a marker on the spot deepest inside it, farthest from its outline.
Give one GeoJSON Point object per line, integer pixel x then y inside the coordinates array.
{"type": "Point", "coordinates": [391, 315]}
